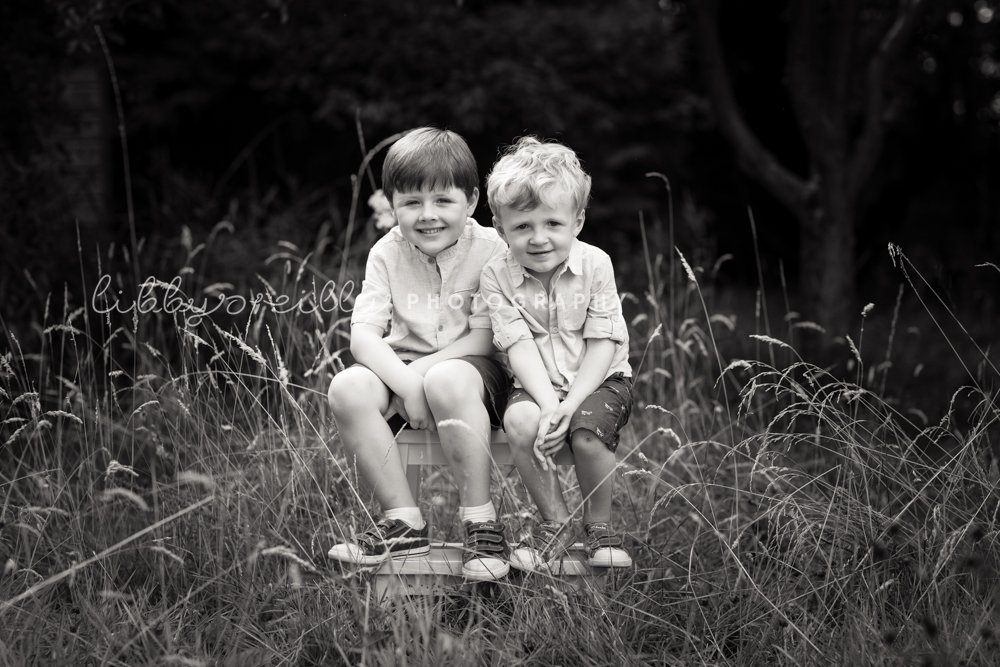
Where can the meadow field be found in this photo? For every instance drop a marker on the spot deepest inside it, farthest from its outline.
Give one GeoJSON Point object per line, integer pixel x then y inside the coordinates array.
{"type": "Point", "coordinates": [171, 479]}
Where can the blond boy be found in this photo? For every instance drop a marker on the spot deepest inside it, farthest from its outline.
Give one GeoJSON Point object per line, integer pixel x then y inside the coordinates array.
{"type": "Point", "coordinates": [556, 312]}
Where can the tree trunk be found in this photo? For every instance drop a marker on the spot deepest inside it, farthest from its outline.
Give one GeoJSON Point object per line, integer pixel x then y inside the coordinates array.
{"type": "Point", "coordinates": [827, 258]}
{"type": "Point", "coordinates": [88, 144]}
{"type": "Point", "coordinates": [837, 84]}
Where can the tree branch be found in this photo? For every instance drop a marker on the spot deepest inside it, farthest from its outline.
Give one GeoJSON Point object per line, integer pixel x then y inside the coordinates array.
{"type": "Point", "coordinates": [792, 191]}
{"type": "Point", "coordinates": [810, 101]}
{"type": "Point", "coordinates": [845, 32]}
{"type": "Point", "coordinates": [869, 145]}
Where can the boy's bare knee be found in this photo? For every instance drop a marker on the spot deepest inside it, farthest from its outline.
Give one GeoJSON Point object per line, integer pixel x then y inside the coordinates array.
{"type": "Point", "coordinates": [586, 442]}
{"type": "Point", "coordinates": [521, 424]}
{"type": "Point", "coordinates": [348, 390]}
{"type": "Point", "coordinates": [340, 392]}
{"type": "Point", "coordinates": [451, 382]}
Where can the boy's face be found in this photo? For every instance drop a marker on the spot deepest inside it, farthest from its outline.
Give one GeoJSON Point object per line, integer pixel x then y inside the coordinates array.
{"type": "Point", "coordinates": [433, 219]}
{"type": "Point", "coordinates": [540, 239]}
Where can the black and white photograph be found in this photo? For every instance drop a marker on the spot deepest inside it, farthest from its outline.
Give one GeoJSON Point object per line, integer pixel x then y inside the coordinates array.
{"type": "Point", "coordinates": [500, 332]}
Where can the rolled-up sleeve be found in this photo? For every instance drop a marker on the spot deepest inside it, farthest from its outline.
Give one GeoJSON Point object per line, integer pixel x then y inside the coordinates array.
{"type": "Point", "coordinates": [508, 323]}
{"type": "Point", "coordinates": [604, 312]}
{"type": "Point", "coordinates": [374, 304]}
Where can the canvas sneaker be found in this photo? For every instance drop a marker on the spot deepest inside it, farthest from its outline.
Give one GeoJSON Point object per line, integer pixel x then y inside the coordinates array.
{"type": "Point", "coordinates": [549, 540]}
{"type": "Point", "coordinates": [486, 551]}
{"type": "Point", "coordinates": [604, 547]}
{"type": "Point", "coordinates": [388, 538]}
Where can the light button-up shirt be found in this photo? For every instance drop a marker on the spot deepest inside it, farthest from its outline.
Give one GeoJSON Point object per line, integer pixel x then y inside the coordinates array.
{"type": "Point", "coordinates": [582, 302]}
{"type": "Point", "coordinates": [424, 303]}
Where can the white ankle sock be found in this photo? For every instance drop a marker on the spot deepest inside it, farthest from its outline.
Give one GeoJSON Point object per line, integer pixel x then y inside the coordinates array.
{"type": "Point", "coordinates": [477, 514]}
{"type": "Point", "coordinates": [411, 516]}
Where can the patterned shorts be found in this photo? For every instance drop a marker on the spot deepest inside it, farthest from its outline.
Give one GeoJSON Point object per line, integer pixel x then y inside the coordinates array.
{"type": "Point", "coordinates": [604, 412]}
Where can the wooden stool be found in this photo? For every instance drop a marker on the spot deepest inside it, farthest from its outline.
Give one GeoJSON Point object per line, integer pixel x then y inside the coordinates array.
{"type": "Point", "coordinates": [443, 565]}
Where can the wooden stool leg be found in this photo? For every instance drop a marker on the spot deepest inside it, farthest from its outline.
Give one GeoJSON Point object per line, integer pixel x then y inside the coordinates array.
{"type": "Point", "coordinates": [412, 467]}
{"type": "Point", "coordinates": [413, 479]}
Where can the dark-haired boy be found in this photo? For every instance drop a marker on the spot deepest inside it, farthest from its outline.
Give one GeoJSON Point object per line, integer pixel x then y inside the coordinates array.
{"type": "Point", "coordinates": [423, 343]}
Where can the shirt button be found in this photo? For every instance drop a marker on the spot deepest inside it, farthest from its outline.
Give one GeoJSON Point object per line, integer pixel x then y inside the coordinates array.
{"type": "Point", "coordinates": [440, 327]}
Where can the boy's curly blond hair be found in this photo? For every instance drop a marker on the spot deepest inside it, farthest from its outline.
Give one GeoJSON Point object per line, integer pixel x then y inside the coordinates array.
{"type": "Point", "coordinates": [528, 169]}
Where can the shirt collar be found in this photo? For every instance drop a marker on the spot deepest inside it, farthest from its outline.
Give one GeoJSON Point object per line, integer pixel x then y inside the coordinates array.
{"type": "Point", "coordinates": [575, 260]}
{"type": "Point", "coordinates": [515, 269]}
{"type": "Point", "coordinates": [574, 263]}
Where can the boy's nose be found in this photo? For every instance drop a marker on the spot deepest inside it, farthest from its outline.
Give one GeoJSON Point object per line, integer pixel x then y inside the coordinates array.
{"type": "Point", "coordinates": [428, 212]}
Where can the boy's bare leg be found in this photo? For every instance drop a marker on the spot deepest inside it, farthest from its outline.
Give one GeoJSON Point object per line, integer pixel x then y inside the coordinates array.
{"type": "Point", "coordinates": [455, 390]}
{"type": "Point", "coordinates": [521, 425]}
{"type": "Point", "coordinates": [358, 398]}
{"type": "Point", "coordinates": [595, 466]}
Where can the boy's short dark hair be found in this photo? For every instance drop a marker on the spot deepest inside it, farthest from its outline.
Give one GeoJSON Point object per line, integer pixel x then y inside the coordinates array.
{"type": "Point", "coordinates": [429, 157]}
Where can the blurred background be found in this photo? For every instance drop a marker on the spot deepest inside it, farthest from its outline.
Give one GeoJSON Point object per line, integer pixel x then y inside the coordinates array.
{"type": "Point", "coordinates": [795, 140]}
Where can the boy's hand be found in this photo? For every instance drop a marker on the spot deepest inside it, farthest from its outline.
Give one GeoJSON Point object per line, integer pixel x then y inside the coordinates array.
{"type": "Point", "coordinates": [554, 438]}
{"type": "Point", "coordinates": [412, 406]}
{"type": "Point", "coordinates": [559, 427]}
{"type": "Point", "coordinates": [546, 422]}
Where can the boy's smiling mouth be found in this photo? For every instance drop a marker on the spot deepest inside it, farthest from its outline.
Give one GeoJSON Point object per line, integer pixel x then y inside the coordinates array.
{"type": "Point", "coordinates": [431, 232]}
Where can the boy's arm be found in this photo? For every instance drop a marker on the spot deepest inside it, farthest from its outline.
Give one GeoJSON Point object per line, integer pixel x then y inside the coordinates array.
{"type": "Point", "coordinates": [371, 351]}
{"type": "Point", "coordinates": [511, 333]}
{"type": "Point", "coordinates": [370, 319]}
{"type": "Point", "coordinates": [603, 330]}
{"type": "Point", "coordinates": [526, 362]}
{"type": "Point", "coordinates": [593, 371]}
{"type": "Point", "coordinates": [476, 343]}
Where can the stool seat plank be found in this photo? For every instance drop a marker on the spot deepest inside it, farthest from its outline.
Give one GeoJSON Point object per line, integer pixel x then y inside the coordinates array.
{"type": "Point", "coordinates": [424, 448]}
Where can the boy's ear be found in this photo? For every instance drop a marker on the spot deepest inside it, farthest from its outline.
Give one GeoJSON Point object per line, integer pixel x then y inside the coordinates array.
{"type": "Point", "coordinates": [473, 200]}
{"type": "Point", "coordinates": [498, 227]}
{"type": "Point", "coordinates": [579, 223]}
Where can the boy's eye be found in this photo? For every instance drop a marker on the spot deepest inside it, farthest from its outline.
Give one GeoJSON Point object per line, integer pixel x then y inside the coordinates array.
{"type": "Point", "coordinates": [554, 223]}
{"type": "Point", "coordinates": [520, 227]}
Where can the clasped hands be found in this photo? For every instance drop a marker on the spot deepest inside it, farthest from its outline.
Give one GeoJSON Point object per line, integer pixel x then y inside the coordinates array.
{"type": "Point", "coordinates": [411, 405]}
{"type": "Point", "coordinates": [553, 427]}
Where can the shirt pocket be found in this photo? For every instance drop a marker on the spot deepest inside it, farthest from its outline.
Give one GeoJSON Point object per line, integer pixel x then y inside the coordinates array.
{"type": "Point", "coordinates": [459, 302]}
{"type": "Point", "coordinates": [573, 311]}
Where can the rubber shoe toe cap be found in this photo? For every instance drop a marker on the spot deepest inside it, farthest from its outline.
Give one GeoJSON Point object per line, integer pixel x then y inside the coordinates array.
{"type": "Point", "coordinates": [485, 569]}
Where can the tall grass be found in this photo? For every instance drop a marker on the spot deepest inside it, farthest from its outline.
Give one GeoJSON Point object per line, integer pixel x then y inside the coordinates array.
{"type": "Point", "coordinates": [169, 488]}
